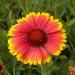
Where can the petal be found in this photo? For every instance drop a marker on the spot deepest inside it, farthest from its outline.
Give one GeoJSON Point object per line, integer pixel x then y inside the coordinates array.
{"type": "Point", "coordinates": [42, 19]}
{"type": "Point", "coordinates": [17, 40]}
{"type": "Point", "coordinates": [18, 30]}
{"type": "Point", "coordinates": [23, 54]}
{"type": "Point", "coordinates": [54, 43]}
{"type": "Point", "coordinates": [57, 35]}
{"type": "Point", "coordinates": [34, 55]}
{"type": "Point", "coordinates": [44, 53]}
{"type": "Point", "coordinates": [30, 20]}
{"type": "Point", "coordinates": [46, 57]}
{"type": "Point", "coordinates": [52, 26]}
{"type": "Point", "coordinates": [18, 49]}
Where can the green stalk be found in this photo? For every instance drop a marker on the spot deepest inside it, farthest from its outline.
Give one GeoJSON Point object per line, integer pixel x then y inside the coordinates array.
{"type": "Point", "coordinates": [14, 71]}
{"type": "Point", "coordinates": [42, 71]}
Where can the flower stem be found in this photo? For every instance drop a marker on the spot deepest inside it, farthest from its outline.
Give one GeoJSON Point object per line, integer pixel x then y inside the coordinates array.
{"type": "Point", "coordinates": [14, 71]}
{"type": "Point", "coordinates": [29, 72]}
{"type": "Point", "coordinates": [42, 71]}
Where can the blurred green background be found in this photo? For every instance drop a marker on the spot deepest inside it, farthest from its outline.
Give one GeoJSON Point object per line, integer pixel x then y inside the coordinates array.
{"type": "Point", "coordinates": [10, 10]}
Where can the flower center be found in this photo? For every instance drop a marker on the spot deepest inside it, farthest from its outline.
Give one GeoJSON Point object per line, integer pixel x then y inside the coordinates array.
{"type": "Point", "coordinates": [37, 37]}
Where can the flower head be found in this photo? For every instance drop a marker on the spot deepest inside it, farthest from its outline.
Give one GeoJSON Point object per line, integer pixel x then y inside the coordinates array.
{"type": "Point", "coordinates": [36, 37]}
{"type": "Point", "coordinates": [71, 68]}
{"type": "Point", "coordinates": [1, 67]}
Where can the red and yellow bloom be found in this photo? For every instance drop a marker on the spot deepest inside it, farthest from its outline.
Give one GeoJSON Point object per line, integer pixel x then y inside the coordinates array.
{"type": "Point", "coordinates": [36, 37]}
{"type": "Point", "coordinates": [1, 67]}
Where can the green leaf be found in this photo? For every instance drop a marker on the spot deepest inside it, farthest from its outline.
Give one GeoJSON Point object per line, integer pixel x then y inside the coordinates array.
{"type": "Point", "coordinates": [6, 72]}
{"type": "Point", "coordinates": [71, 22]}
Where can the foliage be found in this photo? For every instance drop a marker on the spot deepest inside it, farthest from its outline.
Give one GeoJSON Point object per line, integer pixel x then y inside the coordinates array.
{"type": "Point", "coordinates": [10, 10]}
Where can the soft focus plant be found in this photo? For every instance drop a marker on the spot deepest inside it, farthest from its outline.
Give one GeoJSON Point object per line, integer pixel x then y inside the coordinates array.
{"type": "Point", "coordinates": [11, 10]}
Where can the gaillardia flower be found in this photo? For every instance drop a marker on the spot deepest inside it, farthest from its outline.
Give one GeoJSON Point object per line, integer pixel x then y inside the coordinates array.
{"type": "Point", "coordinates": [1, 67]}
{"type": "Point", "coordinates": [36, 37]}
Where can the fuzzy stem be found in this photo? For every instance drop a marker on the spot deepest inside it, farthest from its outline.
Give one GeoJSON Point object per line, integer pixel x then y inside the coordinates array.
{"type": "Point", "coordinates": [14, 71]}
{"type": "Point", "coordinates": [42, 72]}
